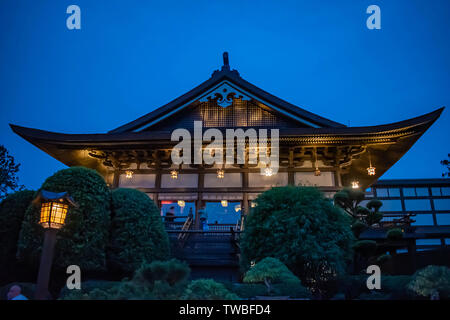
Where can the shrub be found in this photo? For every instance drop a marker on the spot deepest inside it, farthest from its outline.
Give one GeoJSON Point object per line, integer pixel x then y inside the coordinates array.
{"type": "Point", "coordinates": [365, 247]}
{"type": "Point", "coordinates": [12, 211]}
{"type": "Point", "coordinates": [137, 231]}
{"type": "Point", "coordinates": [207, 289]}
{"type": "Point", "coordinates": [157, 280]}
{"type": "Point", "coordinates": [268, 271]}
{"type": "Point", "coordinates": [301, 228]}
{"type": "Point", "coordinates": [83, 238]}
{"type": "Point", "coordinates": [249, 290]}
{"type": "Point", "coordinates": [87, 287]}
{"type": "Point", "coordinates": [394, 234]}
{"type": "Point", "coordinates": [430, 281]}
{"type": "Point", "coordinates": [164, 279]}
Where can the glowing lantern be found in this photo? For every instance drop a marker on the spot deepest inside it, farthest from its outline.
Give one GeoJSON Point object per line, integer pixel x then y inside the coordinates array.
{"type": "Point", "coordinates": [220, 174]}
{"type": "Point", "coordinates": [129, 174]}
{"type": "Point", "coordinates": [237, 208]}
{"type": "Point", "coordinates": [355, 184]}
{"type": "Point", "coordinates": [174, 174]}
{"type": "Point", "coordinates": [268, 172]}
{"type": "Point", "coordinates": [224, 203]}
{"type": "Point", "coordinates": [181, 203]}
{"type": "Point", "coordinates": [371, 171]}
{"type": "Point", "coordinates": [54, 207]}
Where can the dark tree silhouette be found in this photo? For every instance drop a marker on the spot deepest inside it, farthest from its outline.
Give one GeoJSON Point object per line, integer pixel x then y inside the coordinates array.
{"type": "Point", "coordinates": [446, 163]}
{"type": "Point", "coordinates": [9, 182]}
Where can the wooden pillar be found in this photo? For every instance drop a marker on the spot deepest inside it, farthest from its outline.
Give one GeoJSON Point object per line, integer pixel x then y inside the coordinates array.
{"type": "Point", "coordinates": [412, 255]}
{"type": "Point", "coordinates": [291, 173]}
{"type": "Point", "coordinates": [199, 203]}
{"type": "Point", "coordinates": [115, 183]}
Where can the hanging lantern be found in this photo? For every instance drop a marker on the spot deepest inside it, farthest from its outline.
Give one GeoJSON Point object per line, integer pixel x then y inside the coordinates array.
{"type": "Point", "coordinates": [355, 184]}
{"type": "Point", "coordinates": [317, 172]}
{"type": "Point", "coordinates": [370, 169]}
{"type": "Point", "coordinates": [129, 174]}
{"type": "Point", "coordinates": [174, 174]}
{"type": "Point", "coordinates": [237, 208]}
{"type": "Point", "coordinates": [268, 172]}
{"type": "Point", "coordinates": [181, 203]}
{"type": "Point", "coordinates": [252, 204]}
{"type": "Point", "coordinates": [224, 203]}
{"type": "Point", "coordinates": [54, 207]}
{"type": "Point", "coordinates": [220, 174]}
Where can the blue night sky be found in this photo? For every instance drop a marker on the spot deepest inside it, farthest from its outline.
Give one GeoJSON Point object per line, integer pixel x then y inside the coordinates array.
{"type": "Point", "coordinates": [132, 56]}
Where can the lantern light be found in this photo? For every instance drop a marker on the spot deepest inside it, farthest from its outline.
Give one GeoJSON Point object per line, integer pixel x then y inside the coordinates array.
{"type": "Point", "coordinates": [224, 203]}
{"type": "Point", "coordinates": [355, 184]}
{"type": "Point", "coordinates": [370, 169]}
{"type": "Point", "coordinates": [317, 172]}
{"type": "Point", "coordinates": [237, 208]}
{"type": "Point", "coordinates": [268, 172]}
{"type": "Point", "coordinates": [129, 174]}
{"type": "Point", "coordinates": [54, 207]}
{"type": "Point", "coordinates": [220, 174]}
{"type": "Point", "coordinates": [252, 204]}
{"type": "Point", "coordinates": [174, 174]}
{"type": "Point", "coordinates": [181, 203]}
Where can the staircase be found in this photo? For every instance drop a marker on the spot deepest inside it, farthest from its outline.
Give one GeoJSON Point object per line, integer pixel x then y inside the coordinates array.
{"type": "Point", "coordinates": [209, 255]}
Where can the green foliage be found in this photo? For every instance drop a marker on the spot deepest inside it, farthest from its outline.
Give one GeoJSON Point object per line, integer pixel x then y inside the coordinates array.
{"type": "Point", "coordinates": [137, 231]}
{"type": "Point", "coordinates": [301, 228]}
{"type": "Point", "coordinates": [28, 289]}
{"type": "Point", "coordinates": [270, 270]}
{"type": "Point", "coordinates": [383, 259]}
{"type": "Point", "coordinates": [249, 290]}
{"type": "Point", "coordinates": [172, 271]}
{"type": "Point", "coordinates": [374, 296]}
{"type": "Point", "coordinates": [397, 287]}
{"type": "Point", "coordinates": [83, 238]}
{"type": "Point", "coordinates": [157, 280]}
{"type": "Point", "coordinates": [207, 289]}
{"type": "Point", "coordinates": [358, 227]}
{"type": "Point", "coordinates": [431, 280]}
{"type": "Point", "coordinates": [365, 247]}
{"type": "Point", "coordinates": [392, 287]}
{"type": "Point", "coordinates": [8, 173]}
{"type": "Point", "coordinates": [394, 234]}
{"type": "Point", "coordinates": [349, 200]}
{"type": "Point", "coordinates": [12, 211]}
{"type": "Point", "coordinates": [87, 288]}
{"type": "Point", "coordinates": [374, 204]}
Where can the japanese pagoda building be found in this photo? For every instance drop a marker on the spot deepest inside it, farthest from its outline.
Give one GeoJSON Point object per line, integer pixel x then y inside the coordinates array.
{"type": "Point", "coordinates": [312, 150]}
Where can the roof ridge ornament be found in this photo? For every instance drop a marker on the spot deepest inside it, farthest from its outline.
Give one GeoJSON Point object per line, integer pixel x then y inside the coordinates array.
{"type": "Point", "coordinates": [225, 67]}
{"type": "Point", "coordinates": [226, 62]}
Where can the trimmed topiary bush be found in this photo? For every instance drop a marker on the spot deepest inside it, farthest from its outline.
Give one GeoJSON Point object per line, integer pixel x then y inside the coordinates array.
{"type": "Point", "coordinates": [83, 238]}
{"type": "Point", "coordinates": [394, 234]}
{"type": "Point", "coordinates": [12, 211]}
{"type": "Point", "coordinates": [365, 247]}
{"type": "Point", "coordinates": [269, 271]}
{"type": "Point", "coordinates": [137, 231]}
{"type": "Point", "coordinates": [207, 289]}
{"type": "Point", "coordinates": [301, 228]}
{"type": "Point", "coordinates": [432, 282]}
{"type": "Point", "coordinates": [158, 280]}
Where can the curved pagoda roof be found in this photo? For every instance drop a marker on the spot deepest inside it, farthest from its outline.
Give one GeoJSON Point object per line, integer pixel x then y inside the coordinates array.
{"type": "Point", "coordinates": [387, 142]}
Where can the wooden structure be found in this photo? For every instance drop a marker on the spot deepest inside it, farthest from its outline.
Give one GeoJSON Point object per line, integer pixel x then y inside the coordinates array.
{"type": "Point", "coordinates": [312, 150]}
